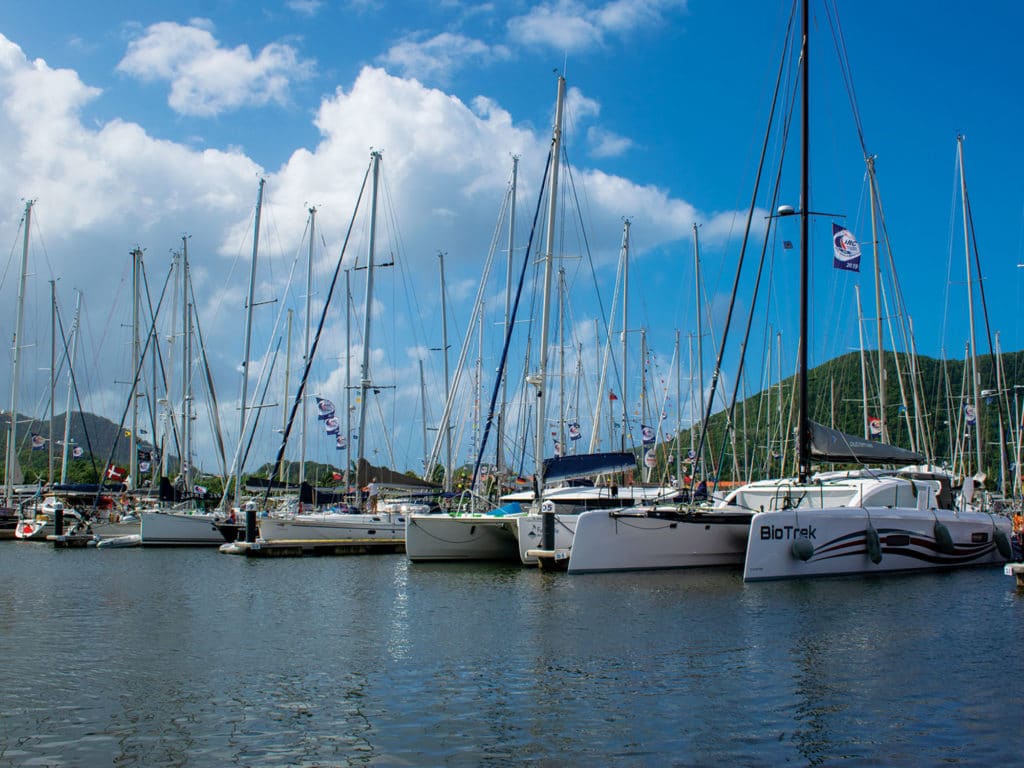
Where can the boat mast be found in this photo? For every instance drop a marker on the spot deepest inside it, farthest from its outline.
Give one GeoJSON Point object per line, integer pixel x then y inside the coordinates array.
{"type": "Point", "coordinates": [12, 436]}
{"type": "Point", "coordinates": [700, 339]}
{"type": "Point", "coordinates": [607, 354]}
{"type": "Point", "coordinates": [884, 436]}
{"type": "Point", "coordinates": [803, 426]}
{"type": "Point", "coordinates": [71, 380]}
{"type": "Point", "coordinates": [348, 378]}
{"type": "Point", "coordinates": [364, 370]}
{"type": "Point", "coordinates": [447, 376]}
{"type": "Point", "coordinates": [247, 349]}
{"type": "Point", "coordinates": [53, 373]}
{"type": "Point", "coordinates": [186, 370]}
{"type": "Point", "coordinates": [305, 347]}
{"type": "Point", "coordinates": [500, 453]}
{"type": "Point", "coordinates": [625, 328]}
{"type": "Point", "coordinates": [133, 444]}
{"type": "Point", "coordinates": [287, 386]}
{"type": "Point", "coordinates": [644, 415]}
{"type": "Point", "coordinates": [863, 365]}
{"type": "Point", "coordinates": [693, 418]}
{"type": "Point", "coordinates": [561, 358]}
{"type": "Point", "coordinates": [975, 381]}
{"type": "Point", "coordinates": [679, 412]}
{"type": "Point", "coordinates": [541, 401]}
{"type": "Point", "coordinates": [423, 410]}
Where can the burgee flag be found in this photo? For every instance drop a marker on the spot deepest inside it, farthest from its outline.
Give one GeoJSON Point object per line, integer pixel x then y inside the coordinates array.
{"type": "Point", "coordinates": [324, 408]}
{"type": "Point", "coordinates": [847, 249]}
{"type": "Point", "coordinates": [971, 414]}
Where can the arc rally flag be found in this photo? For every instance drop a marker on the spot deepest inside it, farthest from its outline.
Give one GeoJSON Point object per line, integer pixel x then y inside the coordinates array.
{"type": "Point", "coordinates": [846, 248]}
{"type": "Point", "coordinates": [647, 434]}
{"type": "Point", "coordinates": [324, 408]}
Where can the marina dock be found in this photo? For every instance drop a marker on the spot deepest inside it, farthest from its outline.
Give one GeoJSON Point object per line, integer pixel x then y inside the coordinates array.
{"type": "Point", "coordinates": [315, 547]}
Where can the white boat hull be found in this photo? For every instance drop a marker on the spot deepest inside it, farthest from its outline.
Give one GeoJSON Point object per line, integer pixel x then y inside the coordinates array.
{"type": "Point", "coordinates": [530, 533]}
{"type": "Point", "coordinates": [841, 542]}
{"type": "Point", "coordinates": [642, 539]}
{"type": "Point", "coordinates": [467, 537]}
{"type": "Point", "coordinates": [169, 529]}
{"type": "Point", "coordinates": [331, 527]}
{"type": "Point", "coordinates": [34, 530]}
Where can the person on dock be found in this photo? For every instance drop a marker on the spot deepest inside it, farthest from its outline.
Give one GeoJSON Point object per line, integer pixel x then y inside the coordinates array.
{"type": "Point", "coordinates": [371, 496]}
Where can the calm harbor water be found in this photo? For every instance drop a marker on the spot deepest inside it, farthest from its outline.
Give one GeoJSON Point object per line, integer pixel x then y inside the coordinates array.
{"type": "Point", "coordinates": [146, 657]}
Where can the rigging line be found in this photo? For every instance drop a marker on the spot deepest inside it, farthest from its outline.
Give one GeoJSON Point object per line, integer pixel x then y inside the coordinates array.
{"type": "Point", "coordinates": [590, 258]}
{"type": "Point", "coordinates": [444, 425]}
{"type": "Point", "coordinates": [839, 40]}
{"type": "Point", "coordinates": [316, 340]}
{"type": "Point", "coordinates": [14, 253]}
{"type": "Point", "coordinates": [1002, 395]}
{"type": "Point", "coordinates": [508, 332]}
{"type": "Point", "coordinates": [160, 361]}
{"type": "Point", "coordinates": [716, 374]}
{"type": "Point", "coordinates": [131, 394]}
{"type": "Point", "coordinates": [210, 389]}
{"type": "Point", "coordinates": [264, 371]}
{"type": "Point", "coordinates": [74, 386]}
{"type": "Point", "coordinates": [259, 411]}
{"type": "Point", "coordinates": [949, 253]}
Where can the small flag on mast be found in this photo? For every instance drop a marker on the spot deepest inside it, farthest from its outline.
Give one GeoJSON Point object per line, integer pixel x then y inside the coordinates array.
{"type": "Point", "coordinates": [847, 249]}
{"type": "Point", "coordinates": [647, 434]}
{"type": "Point", "coordinates": [325, 408]}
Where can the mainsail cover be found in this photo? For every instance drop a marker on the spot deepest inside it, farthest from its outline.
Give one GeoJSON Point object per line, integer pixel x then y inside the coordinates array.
{"type": "Point", "coordinates": [586, 465]}
{"type": "Point", "coordinates": [832, 445]}
{"type": "Point", "coordinates": [367, 473]}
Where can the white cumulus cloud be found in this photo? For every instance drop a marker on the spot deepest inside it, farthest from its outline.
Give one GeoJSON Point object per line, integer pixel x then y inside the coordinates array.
{"type": "Point", "coordinates": [438, 57]}
{"type": "Point", "coordinates": [208, 79]}
{"type": "Point", "coordinates": [572, 25]}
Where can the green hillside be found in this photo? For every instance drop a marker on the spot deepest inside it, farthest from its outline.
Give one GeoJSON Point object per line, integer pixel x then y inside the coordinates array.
{"type": "Point", "coordinates": [761, 440]}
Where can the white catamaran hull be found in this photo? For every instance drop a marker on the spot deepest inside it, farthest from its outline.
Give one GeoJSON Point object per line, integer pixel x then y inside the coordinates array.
{"type": "Point", "coordinates": [643, 539]}
{"type": "Point", "coordinates": [333, 527]}
{"type": "Point", "coordinates": [179, 529]}
{"type": "Point", "coordinates": [847, 540]}
{"type": "Point", "coordinates": [468, 537]}
{"type": "Point", "coordinates": [530, 532]}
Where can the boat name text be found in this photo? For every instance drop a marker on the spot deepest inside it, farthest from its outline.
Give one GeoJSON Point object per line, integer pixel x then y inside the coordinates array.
{"type": "Point", "coordinates": [786, 532]}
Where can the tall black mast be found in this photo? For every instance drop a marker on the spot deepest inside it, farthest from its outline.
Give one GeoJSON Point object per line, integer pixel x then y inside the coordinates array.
{"type": "Point", "coordinates": [803, 426]}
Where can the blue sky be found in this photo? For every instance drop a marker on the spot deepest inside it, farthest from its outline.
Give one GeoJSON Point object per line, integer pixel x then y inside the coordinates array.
{"type": "Point", "coordinates": [134, 124]}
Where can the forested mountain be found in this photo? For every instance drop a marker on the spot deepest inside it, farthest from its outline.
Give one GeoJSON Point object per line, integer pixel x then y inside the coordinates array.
{"type": "Point", "coordinates": [933, 421]}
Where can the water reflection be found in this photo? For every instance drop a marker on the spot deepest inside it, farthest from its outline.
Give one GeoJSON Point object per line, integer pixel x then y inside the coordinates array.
{"type": "Point", "coordinates": [152, 658]}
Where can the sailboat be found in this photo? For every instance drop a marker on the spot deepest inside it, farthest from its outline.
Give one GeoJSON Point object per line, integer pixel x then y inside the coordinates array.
{"type": "Point", "coordinates": [493, 535]}
{"type": "Point", "coordinates": [868, 522]}
{"type": "Point", "coordinates": [178, 524]}
{"type": "Point", "coordinates": [9, 516]}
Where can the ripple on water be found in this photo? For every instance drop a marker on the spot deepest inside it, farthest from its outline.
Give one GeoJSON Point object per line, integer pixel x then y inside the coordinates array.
{"type": "Point", "coordinates": [188, 658]}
